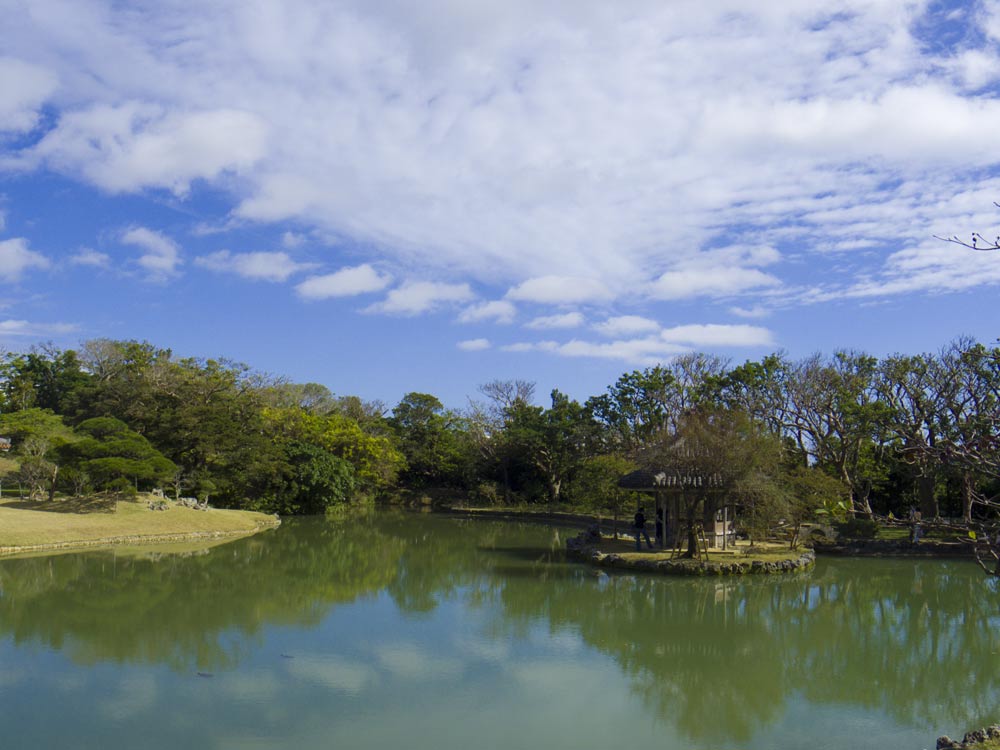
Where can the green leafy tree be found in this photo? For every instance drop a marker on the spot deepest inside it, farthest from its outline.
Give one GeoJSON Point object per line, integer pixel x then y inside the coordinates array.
{"type": "Point", "coordinates": [316, 480]}
{"type": "Point", "coordinates": [430, 440]}
{"type": "Point", "coordinates": [555, 440]}
{"type": "Point", "coordinates": [37, 436]}
{"type": "Point", "coordinates": [721, 453]}
{"type": "Point", "coordinates": [44, 378]}
{"type": "Point", "coordinates": [108, 452]}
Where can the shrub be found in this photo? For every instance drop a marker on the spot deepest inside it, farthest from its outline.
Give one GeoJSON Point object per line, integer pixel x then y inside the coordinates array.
{"type": "Point", "coordinates": [858, 528]}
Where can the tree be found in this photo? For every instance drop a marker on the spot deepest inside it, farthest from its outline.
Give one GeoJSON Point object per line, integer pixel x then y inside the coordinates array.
{"type": "Point", "coordinates": [45, 377]}
{"type": "Point", "coordinates": [838, 419]}
{"type": "Point", "coordinates": [595, 484]}
{"type": "Point", "coordinates": [316, 480]}
{"type": "Point", "coordinates": [487, 424]}
{"type": "Point", "coordinates": [375, 459]}
{"type": "Point", "coordinates": [429, 439]}
{"type": "Point", "coordinates": [554, 440]}
{"type": "Point", "coordinates": [721, 451]}
{"type": "Point", "coordinates": [636, 407]}
{"type": "Point", "coordinates": [107, 451]}
{"type": "Point", "coordinates": [910, 386]}
{"type": "Point", "coordinates": [37, 436]}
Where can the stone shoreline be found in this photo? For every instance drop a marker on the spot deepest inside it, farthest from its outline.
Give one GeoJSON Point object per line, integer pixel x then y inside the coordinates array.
{"type": "Point", "coordinates": [683, 567]}
{"type": "Point", "coordinates": [137, 540]}
{"type": "Point", "coordinates": [891, 548]}
{"type": "Point", "coordinates": [971, 740]}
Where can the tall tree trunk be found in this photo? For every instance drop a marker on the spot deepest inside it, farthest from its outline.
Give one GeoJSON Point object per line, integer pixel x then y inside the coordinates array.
{"type": "Point", "coordinates": [967, 497]}
{"type": "Point", "coordinates": [928, 500]}
{"type": "Point", "coordinates": [506, 482]}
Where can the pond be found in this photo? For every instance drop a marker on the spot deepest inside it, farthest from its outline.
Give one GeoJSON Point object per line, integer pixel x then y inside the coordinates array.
{"type": "Point", "coordinates": [423, 631]}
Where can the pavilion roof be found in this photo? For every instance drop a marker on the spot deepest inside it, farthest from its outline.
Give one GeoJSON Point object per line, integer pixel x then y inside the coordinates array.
{"type": "Point", "coordinates": [650, 480]}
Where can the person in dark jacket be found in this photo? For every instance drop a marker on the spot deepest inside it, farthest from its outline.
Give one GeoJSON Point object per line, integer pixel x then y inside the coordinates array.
{"type": "Point", "coordinates": [639, 528]}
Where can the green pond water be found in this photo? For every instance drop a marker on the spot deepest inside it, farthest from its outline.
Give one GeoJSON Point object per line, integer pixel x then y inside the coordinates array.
{"type": "Point", "coordinates": [416, 631]}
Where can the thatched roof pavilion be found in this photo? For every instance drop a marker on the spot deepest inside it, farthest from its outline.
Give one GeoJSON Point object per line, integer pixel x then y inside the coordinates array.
{"type": "Point", "coordinates": [666, 485]}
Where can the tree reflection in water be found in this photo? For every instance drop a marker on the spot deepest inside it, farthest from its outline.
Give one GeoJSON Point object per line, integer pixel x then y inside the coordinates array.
{"type": "Point", "coordinates": [718, 659]}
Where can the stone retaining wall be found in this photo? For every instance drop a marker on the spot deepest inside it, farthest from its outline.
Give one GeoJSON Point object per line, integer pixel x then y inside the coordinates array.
{"type": "Point", "coordinates": [891, 548]}
{"type": "Point", "coordinates": [971, 740]}
{"type": "Point", "coordinates": [137, 540]}
{"type": "Point", "coordinates": [694, 567]}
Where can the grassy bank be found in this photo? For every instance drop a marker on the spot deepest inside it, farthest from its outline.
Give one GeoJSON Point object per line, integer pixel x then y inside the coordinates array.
{"type": "Point", "coordinates": [86, 522]}
{"type": "Point", "coordinates": [741, 552]}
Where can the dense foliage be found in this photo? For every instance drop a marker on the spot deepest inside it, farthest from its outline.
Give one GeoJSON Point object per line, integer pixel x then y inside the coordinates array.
{"type": "Point", "coordinates": [838, 434]}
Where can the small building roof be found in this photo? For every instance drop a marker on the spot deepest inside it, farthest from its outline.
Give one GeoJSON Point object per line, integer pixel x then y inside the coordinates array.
{"type": "Point", "coordinates": [647, 480]}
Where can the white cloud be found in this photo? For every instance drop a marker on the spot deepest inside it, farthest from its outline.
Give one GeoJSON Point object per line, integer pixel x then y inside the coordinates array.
{"type": "Point", "coordinates": [261, 266]}
{"type": "Point", "coordinates": [162, 256]}
{"type": "Point", "coordinates": [499, 311]}
{"type": "Point", "coordinates": [718, 272]}
{"type": "Point", "coordinates": [560, 290]}
{"type": "Point", "coordinates": [292, 240]}
{"type": "Point", "coordinates": [135, 145]}
{"type": "Point", "coordinates": [567, 320]}
{"type": "Point", "coordinates": [347, 282]}
{"type": "Point", "coordinates": [16, 258]}
{"type": "Point", "coordinates": [615, 143]}
{"type": "Point", "coordinates": [474, 345]}
{"type": "Point", "coordinates": [415, 297]}
{"type": "Point", "coordinates": [757, 311]}
{"type": "Point", "coordinates": [642, 351]}
{"type": "Point", "coordinates": [655, 348]}
{"type": "Point", "coordinates": [713, 334]}
{"type": "Point", "coordinates": [626, 325]}
{"type": "Point", "coordinates": [976, 68]}
{"type": "Point", "coordinates": [932, 267]}
{"type": "Point", "coordinates": [23, 89]}
{"type": "Point", "coordinates": [34, 330]}
{"type": "Point", "coordinates": [90, 257]}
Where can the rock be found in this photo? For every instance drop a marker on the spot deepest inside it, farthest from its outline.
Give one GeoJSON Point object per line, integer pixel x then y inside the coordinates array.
{"type": "Point", "coordinates": [975, 736]}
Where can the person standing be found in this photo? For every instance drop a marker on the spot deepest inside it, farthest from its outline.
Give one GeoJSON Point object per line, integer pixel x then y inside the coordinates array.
{"type": "Point", "coordinates": [639, 527]}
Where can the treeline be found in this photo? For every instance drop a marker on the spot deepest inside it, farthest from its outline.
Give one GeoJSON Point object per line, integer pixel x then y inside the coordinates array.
{"type": "Point", "coordinates": [841, 433]}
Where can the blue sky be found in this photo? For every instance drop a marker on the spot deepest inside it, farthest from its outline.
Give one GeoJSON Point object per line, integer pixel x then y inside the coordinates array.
{"type": "Point", "coordinates": [384, 196]}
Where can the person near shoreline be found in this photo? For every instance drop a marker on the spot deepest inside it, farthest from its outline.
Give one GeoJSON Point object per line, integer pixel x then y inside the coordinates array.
{"type": "Point", "coordinates": [915, 531]}
{"type": "Point", "coordinates": [639, 527]}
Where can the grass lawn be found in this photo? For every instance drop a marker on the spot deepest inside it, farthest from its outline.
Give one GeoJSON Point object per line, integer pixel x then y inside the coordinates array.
{"type": "Point", "coordinates": [89, 521]}
{"type": "Point", "coordinates": [769, 552]}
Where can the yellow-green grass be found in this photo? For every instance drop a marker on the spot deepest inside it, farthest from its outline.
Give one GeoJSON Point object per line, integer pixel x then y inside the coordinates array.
{"type": "Point", "coordinates": [85, 522]}
{"type": "Point", "coordinates": [742, 552]}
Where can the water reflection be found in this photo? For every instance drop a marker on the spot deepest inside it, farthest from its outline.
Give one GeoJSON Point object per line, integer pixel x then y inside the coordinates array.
{"type": "Point", "coordinates": [181, 610]}
{"type": "Point", "coordinates": [718, 661]}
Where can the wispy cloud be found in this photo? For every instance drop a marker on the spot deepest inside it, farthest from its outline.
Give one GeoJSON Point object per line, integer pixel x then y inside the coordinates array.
{"type": "Point", "coordinates": [603, 157]}
{"type": "Point", "coordinates": [25, 88]}
{"type": "Point", "coordinates": [474, 345]}
{"type": "Point", "coordinates": [134, 145]}
{"type": "Point", "coordinates": [162, 256]}
{"type": "Point", "coordinates": [567, 320]}
{"type": "Point", "coordinates": [498, 311]}
{"type": "Point", "coordinates": [28, 329]}
{"type": "Point", "coordinates": [89, 257]}
{"type": "Point", "coordinates": [560, 290]}
{"type": "Point", "coordinates": [626, 325]}
{"type": "Point", "coordinates": [714, 335]}
{"type": "Point", "coordinates": [347, 282]}
{"type": "Point", "coordinates": [415, 297]}
{"type": "Point", "coordinates": [258, 266]}
{"type": "Point", "coordinates": [16, 258]}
